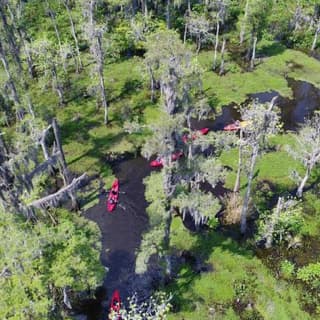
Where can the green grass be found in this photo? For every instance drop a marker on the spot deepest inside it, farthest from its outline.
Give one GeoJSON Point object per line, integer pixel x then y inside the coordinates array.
{"type": "Point", "coordinates": [267, 76]}
{"type": "Point", "coordinates": [235, 273]}
{"type": "Point", "coordinates": [275, 166]}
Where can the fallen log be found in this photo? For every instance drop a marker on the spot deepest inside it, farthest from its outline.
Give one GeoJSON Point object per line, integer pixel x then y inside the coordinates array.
{"type": "Point", "coordinates": [53, 200]}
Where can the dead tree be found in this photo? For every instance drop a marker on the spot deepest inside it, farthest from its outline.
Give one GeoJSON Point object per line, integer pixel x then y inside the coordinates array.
{"type": "Point", "coordinates": [307, 149]}
{"type": "Point", "coordinates": [3, 58]}
{"type": "Point", "coordinates": [65, 171]}
{"type": "Point", "coordinates": [243, 25]}
{"type": "Point", "coordinates": [10, 37]}
{"type": "Point", "coordinates": [315, 39]}
{"type": "Point", "coordinates": [253, 56]}
{"type": "Point", "coordinates": [221, 72]}
{"type": "Point", "coordinates": [22, 37]}
{"type": "Point", "coordinates": [240, 159]}
{"type": "Point", "coordinates": [262, 121]}
{"type": "Point", "coordinates": [95, 38]}
{"type": "Point", "coordinates": [54, 23]}
{"type": "Point", "coordinates": [74, 34]}
{"type": "Point", "coordinates": [55, 199]}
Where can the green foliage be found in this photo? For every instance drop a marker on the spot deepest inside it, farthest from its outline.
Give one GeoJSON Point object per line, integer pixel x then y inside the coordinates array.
{"type": "Point", "coordinates": [42, 258]}
{"type": "Point", "coordinates": [156, 307]}
{"type": "Point", "coordinates": [287, 269]}
{"type": "Point", "coordinates": [201, 206]}
{"type": "Point", "coordinates": [282, 223]}
{"type": "Point", "coordinates": [235, 271]}
{"type": "Point", "coordinates": [268, 76]}
{"type": "Point", "coordinates": [310, 274]}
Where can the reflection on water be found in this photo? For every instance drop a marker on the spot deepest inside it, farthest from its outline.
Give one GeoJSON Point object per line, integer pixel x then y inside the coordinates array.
{"type": "Point", "coordinates": [306, 99]}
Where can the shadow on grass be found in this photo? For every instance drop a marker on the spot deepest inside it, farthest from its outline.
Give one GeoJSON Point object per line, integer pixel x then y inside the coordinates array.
{"type": "Point", "coordinates": [200, 251]}
{"type": "Point", "coordinates": [99, 147]}
{"type": "Point", "coordinates": [271, 49]}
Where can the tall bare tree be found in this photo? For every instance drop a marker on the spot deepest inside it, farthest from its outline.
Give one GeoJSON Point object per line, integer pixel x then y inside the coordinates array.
{"type": "Point", "coordinates": [79, 65]}
{"type": "Point", "coordinates": [262, 121]}
{"type": "Point", "coordinates": [94, 34]}
{"type": "Point", "coordinates": [306, 149]}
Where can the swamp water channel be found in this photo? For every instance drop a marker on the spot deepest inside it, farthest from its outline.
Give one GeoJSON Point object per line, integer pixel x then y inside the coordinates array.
{"type": "Point", "coordinates": [122, 229]}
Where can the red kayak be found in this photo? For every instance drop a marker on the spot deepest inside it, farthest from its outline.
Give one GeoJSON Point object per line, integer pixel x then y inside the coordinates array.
{"type": "Point", "coordinates": [159, 161]}
{"type": "Point", "coordinates": [113, 196]}
{"type": "Point", "coordinates": [115, 304]}
{"type": "Point", "coordinates": [236, 126]}
{"type": "Point", "coordinates": [200, 132]}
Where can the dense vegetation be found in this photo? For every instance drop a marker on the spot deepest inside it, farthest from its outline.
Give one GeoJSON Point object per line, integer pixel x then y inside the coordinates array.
{"type": "Point", "coordinates": [84, 83]}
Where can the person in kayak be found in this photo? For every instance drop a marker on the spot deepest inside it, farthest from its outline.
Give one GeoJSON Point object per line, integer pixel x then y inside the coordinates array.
{"type": "Point", "coordinates": [112, 201]}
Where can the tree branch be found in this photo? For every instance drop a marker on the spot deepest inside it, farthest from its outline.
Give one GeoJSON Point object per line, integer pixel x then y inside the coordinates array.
{"type": "Point", "coordinates": [43, 166]}
{"type": "Point", "coordinates": [54, 199]}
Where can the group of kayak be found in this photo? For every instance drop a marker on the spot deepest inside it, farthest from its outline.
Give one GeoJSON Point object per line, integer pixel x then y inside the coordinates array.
{"type": "Point", "coordinates": [113, 195]}
{"type": "Point", "coordinates": [235, 126]}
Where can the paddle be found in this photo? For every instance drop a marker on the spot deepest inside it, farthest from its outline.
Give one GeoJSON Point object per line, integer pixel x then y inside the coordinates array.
{"type": "Point", "coordinates": [121, 206]}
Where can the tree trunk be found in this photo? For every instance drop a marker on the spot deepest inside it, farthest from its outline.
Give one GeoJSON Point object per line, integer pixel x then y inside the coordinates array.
{"type": "Point", "coordinates": [216, 43]}
{"type": "Point", "coordinates": [14, 48]}
{"type": "Point", "coordinates": [19, 110]}
{"type": "Point", "coordinates": [303, 182]}
{"type": "Point", "coordinates": [221, 72]}
{"type": "Point", "coordinates": [65, 170]}
{"type": "Point", "coordinates": [145, 8]}
{"type": "Point", "coordinates": [243, 26]}
{"type": "Point", "coordinates": [56, 83]}
{"type": "Point", "coordinates": [244, 211]}
{"type": "Point", "coordinates": [255, 39]}
{"type": "Point", "coordinates": [152, 84]}
{"type": "Point", "coordinates": [27, 53]}
{"type": "Point", "coordinates": [237, 183]}
{"type": "Point", "coordinates": [167, 185]}
{"type": "Point", "coordinates": [43, 144]}
{"type": "Point", "coordinates": [54, 199]}
{"type": "Point", "coordinates": [54, 23]}
{"type": "Point", "coordinates": [56, 30]}
{"type": "Point", "coordinates": [102, 85]}
{"type": "Point", "coordinates": [315, 39]}
{"type": "Point", "coordinates": [4, 152]}
{"type": "Point", "coordinates": [66, 300]}
{"type": "Point", "coordinates": [30, 106]}
{"type": "Point", "coordinates": [74, 35]}
{"type": "Point", "coordinates": [198, 44]}
{"type": "Point", "coordinates": [270, 230]}
{"type": "Point", "coordinates": [185, 32]}
{"type": "Point", "coordinates": [166, 242]}
{"type": "Point", "coordinates": [23, 41]}
{"type": "Point", "coordinates": [168, 14]}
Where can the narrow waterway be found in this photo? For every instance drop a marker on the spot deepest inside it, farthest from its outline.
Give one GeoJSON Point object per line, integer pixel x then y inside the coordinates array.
{"type": "Point", "coordinates": [121, 230]}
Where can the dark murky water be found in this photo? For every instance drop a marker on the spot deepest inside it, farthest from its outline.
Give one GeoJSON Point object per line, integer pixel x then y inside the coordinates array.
{"type": "Point", "coordinates": [122, 229]}
{"type": "Point", "coordinates": [306, 99]}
